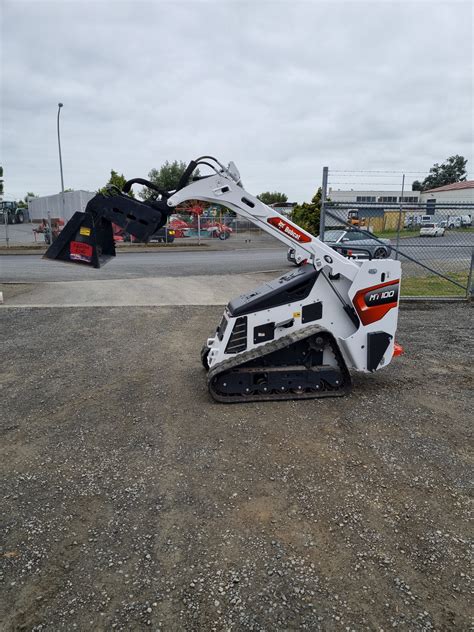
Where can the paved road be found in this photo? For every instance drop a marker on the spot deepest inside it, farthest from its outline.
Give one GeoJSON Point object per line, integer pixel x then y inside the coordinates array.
{"type": "Point", "coordinates": [32, 268]}
{"type": "Point", "coordinates": [440, 253]}
{"type": "Point", "coordinates": [451, 247]}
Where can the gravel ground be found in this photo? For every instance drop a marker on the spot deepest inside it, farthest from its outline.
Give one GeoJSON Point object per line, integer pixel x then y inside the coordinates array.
{"type": "Point", "coordinates": [131, 501]}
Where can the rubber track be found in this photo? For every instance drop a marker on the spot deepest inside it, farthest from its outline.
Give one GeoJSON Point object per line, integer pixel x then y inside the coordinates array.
{"type": "Point", "coordinates": [275, 345]}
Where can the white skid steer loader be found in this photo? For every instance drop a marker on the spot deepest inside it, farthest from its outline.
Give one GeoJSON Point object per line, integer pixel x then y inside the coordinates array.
{"type": "Point", "coordinates": [296, 337]}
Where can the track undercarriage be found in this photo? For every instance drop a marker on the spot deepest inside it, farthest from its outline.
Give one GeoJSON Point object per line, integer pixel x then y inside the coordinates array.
{"type": "Point", "coordinates": [303, 365]}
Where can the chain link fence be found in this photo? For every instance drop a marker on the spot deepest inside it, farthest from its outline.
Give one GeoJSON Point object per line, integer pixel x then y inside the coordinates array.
{"type": "Point", "coordinates": [434, 240]}
{"type": "Point", "coordinates": [18, 234]}
{"type": "Point", "coordinates": [224, 228]}
{"type": "Point", "coordinates": [182, 228]}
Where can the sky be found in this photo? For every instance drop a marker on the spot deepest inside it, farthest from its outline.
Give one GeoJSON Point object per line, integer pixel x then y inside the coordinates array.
{"type": "Point", "coordinates": [281, 88]}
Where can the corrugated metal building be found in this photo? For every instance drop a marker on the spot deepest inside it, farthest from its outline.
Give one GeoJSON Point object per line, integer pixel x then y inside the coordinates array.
{"type": "Point", "coordinates": [73, 201]}
{"type": "Point", "coordinates": [451, 193]}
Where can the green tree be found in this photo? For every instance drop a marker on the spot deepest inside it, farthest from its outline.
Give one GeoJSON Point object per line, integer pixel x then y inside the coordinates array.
{"type": "Point", "coordinates": [24, 202]}
{"type": "Point", "coordinates": [167, 177]}
{"type": "Point", "coordinates": [307, 214]}
{"type": "Point", "coordinates": [273, 198]}
{"type": "Point", "coordinates": [416, 186]}
{"type": "Point", "coordinates": [451, 170]}
{"type": "Point", "coordinates": [117, 180]}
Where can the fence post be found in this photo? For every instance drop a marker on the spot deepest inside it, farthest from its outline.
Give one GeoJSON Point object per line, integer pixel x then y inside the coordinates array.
{"type": "Point", "coordinates": [400, 216]}
{"type": "Point", "coordinates": [324, 191]}
{"type": "Point", "coordinates": [469, 287]}
{"type": "Point", "coordinates": [50, 226]}
{"type": "Point", "coordinates": [199, 229]}
{"type": "Point", "coordinates": [6, 226]}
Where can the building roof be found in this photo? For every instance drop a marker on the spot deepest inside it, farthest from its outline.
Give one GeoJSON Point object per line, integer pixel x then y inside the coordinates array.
{"type": "Point", "coordinates": [468, 184]}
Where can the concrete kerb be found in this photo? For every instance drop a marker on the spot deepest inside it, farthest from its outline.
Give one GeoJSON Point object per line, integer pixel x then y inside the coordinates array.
{"type": "Point", "coordinates": [40, 250]}
{"type": "Point", "coordinates": [214, 246]}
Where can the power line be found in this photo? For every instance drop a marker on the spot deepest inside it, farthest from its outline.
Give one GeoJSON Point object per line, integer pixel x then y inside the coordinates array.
{"type": "Point", "coordinates": [391, 184]}
{"type": "Point", "coordinates": [363, 175]}
{"type": "Point", "coordinates": [363, 171]}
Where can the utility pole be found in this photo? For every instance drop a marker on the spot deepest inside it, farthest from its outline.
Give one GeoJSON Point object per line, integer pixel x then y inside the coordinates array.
{"type": "Point", "coordinates": [60, 105]}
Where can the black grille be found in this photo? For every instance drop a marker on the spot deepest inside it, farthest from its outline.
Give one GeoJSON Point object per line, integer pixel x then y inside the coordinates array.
{"type": "Point", "coordinates": [238, 338]}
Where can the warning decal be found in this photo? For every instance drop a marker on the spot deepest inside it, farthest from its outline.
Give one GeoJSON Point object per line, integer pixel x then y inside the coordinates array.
{"type": "Point", "coordinates": [79, 251]}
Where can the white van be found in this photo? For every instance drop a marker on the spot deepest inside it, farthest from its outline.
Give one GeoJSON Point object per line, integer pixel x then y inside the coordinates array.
{"type": "Point", "coordinates": [454, 221]}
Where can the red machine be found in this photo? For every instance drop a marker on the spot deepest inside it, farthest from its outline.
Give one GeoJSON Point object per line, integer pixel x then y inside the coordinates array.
{"type": "Point", "coordinates": [215, 229]}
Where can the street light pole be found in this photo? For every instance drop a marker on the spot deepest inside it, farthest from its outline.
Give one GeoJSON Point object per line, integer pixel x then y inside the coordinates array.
{"type": "Point", "coordinates": [60, 105]}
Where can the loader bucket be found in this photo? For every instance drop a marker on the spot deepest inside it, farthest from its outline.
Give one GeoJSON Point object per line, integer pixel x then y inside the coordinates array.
{"type": "Point", "coordinates": [84, 239]}
{"type": "Point", "coordinates": [87, 238]}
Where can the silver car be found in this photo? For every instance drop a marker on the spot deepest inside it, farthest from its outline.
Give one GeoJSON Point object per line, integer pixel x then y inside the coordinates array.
{"type": "Point", "coordinates": [352, 243]}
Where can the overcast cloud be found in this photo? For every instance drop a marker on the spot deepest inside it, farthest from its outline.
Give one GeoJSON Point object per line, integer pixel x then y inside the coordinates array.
{"type": "Point", "coordinates": [281, 88]}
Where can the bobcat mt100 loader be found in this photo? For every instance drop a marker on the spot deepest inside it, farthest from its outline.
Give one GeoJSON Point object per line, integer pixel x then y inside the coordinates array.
{"type": "Point", "coordinates": [295, 337]}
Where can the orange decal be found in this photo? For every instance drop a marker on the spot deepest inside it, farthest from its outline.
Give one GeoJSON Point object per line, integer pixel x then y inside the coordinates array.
{"type": "Point", "coordinates": [288, 229]}
{"type": "Point", "coordinates": [372, 303]}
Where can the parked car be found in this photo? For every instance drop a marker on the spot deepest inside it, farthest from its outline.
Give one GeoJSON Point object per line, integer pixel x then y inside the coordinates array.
{"type": "Point", "coordinates": [164, 235]}
{"type": "Point", "coordinates": [431, 230]}
{"type": "Point", "coordinates": [426, 219]}
{"type": "Point", "coordinates": [353, 244]}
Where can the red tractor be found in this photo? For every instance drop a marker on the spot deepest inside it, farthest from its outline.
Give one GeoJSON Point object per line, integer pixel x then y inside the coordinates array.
{"type": "Point", "coordinates": [213, 228]}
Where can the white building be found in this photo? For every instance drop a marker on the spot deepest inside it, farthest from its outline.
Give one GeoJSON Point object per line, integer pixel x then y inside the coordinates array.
{"type": "Point", "coordinates": [38, 207]}
{"type": "Point", "coordinates": [453, 201]}
{"type": "Point", "coordinates": [386, 197]}
{"type": "Point", "coordinates": [450, 193]}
